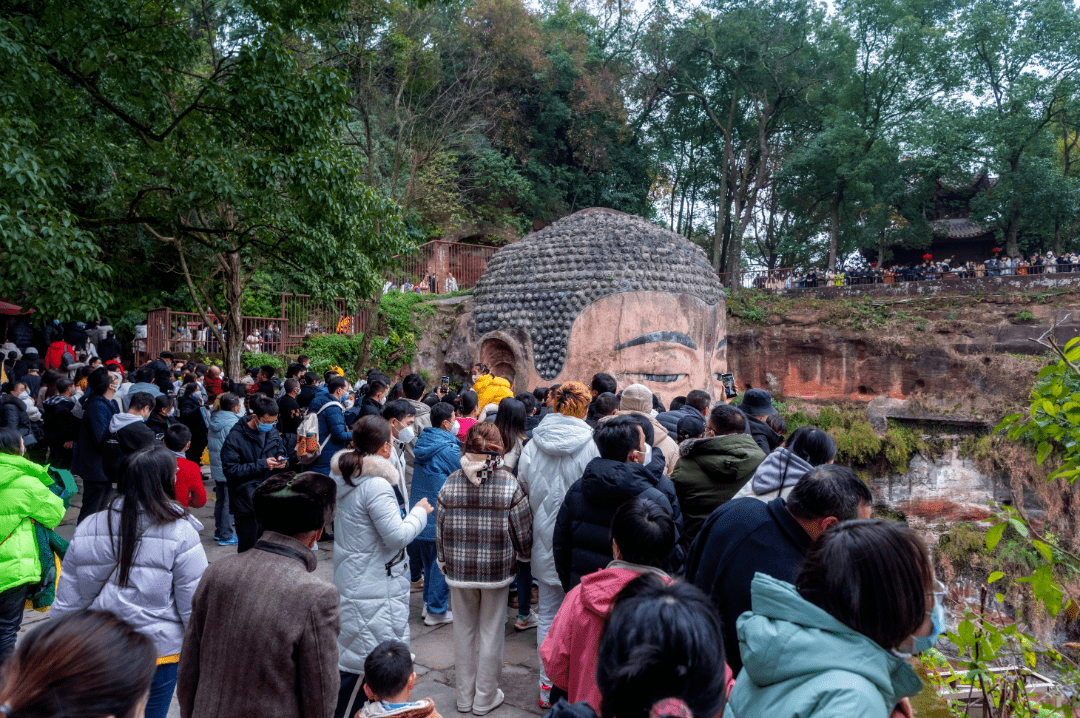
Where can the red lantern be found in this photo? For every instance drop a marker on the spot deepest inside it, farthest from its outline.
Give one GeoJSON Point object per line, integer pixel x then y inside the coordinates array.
{"type": "Point", "coordinates": [995, 250]}
{"type": "Point", "coordinates": [928, 257]}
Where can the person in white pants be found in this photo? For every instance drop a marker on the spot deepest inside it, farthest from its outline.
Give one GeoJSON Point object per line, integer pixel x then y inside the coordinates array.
{"type": "Point", "coordinates": [561, 447]}
{"type": "Point", "coordinates": [483, 526]}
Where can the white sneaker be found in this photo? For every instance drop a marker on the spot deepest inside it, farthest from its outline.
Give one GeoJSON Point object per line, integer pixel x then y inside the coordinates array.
{"type": "Point", "coordinates": [499, 698]}
{"type": "Point", "coordinates": [437, 619]}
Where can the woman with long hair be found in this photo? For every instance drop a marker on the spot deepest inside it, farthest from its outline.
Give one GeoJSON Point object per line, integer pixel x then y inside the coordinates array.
{"type": "Point", "coordinates": [140, 558]}
{"type": "Point", "coordinates": [189, 407]}
{"type": "Point", "coordinates": [484, 523]}
{"type": "Point", "coordinates": [776, 476]}
{"type": "Point", "coordinates": [510, 421]}
{"type": "Point", "coordinates": [88, 664]}
{"type": "Point", "coordinates": [371, 569]}
{"type": "Point", "coordinates": [24, 499]}
{"type": "Point", "coordinates": [864, 601]}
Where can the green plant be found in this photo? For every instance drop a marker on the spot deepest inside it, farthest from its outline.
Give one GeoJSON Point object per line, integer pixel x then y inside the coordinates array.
{"type": "Point", "coordinates": [1025, 315]}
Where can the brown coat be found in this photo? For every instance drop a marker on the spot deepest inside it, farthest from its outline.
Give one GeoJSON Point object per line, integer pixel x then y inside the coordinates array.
{"type": "Point", "coordinates": [262, 639]}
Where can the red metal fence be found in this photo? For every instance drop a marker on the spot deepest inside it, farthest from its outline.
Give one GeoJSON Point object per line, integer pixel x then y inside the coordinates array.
{"type": "Point", "coordinates": [449, 266]}
{"type": "Point", "coordinates": [784, 279]}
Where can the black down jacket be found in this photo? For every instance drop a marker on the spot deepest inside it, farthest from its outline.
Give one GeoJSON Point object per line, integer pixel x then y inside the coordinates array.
{"type": "Point", "coordinates": [243, 461]}
{"type": "Point", "coordinates": [582, 540]}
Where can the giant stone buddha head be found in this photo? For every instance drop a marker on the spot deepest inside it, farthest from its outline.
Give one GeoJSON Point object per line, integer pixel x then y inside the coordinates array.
{"type": "Point", "coordinates": [603, 291]}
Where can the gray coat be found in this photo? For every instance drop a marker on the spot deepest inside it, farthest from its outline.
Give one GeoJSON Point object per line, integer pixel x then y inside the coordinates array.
{"type": "Point", "coordinates": [369, 535]}
{"type": "Point", "coordinates": [262, 640]}
{"type": "Point", "coordinates": [169, 561]}
{"type": "Point", "coordinates": [221, 423]}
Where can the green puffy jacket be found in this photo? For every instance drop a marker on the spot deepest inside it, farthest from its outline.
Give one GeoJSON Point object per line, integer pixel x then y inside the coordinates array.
{"type": "Point", "coordinates": [23, 496]}
{"type": "Point", "coordinates": [800, 661]}
{"type": "Point", "coordinates": [709, 472]}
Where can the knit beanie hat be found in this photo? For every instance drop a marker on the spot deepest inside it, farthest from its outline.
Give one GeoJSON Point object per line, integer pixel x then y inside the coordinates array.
{"type": "Point", "coordinates": [292, 504]}
{"type": "Point", "coordinates": [636, 397]}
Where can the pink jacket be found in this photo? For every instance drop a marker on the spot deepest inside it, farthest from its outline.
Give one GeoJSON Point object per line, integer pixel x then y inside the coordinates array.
{"type": "Point", "coordinates": [569, 651]}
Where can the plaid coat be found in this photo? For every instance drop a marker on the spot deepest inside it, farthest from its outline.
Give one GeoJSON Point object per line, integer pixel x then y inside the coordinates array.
{"type": "Point", "coordinates": [482, 530]}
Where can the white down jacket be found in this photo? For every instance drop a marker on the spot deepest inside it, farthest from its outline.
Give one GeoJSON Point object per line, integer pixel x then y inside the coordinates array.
{"type": "Point", "coordinates": [169, 562]}
{"type": "Point", "coordinates": [371, 568]}
{"type": "Point", "coordinates": [561, 446]}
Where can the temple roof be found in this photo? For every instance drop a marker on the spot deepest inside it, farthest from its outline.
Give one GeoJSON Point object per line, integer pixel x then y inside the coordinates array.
{"type": "Point", "coordinates": [957, 228]}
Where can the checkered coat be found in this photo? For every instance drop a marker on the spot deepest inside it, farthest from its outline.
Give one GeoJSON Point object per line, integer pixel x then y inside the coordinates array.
{"type": "Point", "coordinates": [481, 531]}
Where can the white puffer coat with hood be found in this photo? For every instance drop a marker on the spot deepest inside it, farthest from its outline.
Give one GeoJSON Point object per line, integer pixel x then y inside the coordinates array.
{"type": "Point", "coordinates": [556, 457]}
{"type": "Point", "coordinates": [371, 569]}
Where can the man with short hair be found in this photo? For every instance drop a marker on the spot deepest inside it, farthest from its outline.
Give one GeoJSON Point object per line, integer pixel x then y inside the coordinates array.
{"type": "Point", "coordinates": [131, 433]}
{"type": "Point", "coordinates": [212, 384]}
{"type": "Point", "coordinates": [288, 408]}
{"type": "Point", "coordinates": [413, 385]}
{"type": "Point", "coordinates": [144, 382]}
{"type": "Point", "coordinates": [711, 470]}
{"type": "Point", "coordinates": [251, 453]}
{"type": "Point", "coordinates": [696, 404]}
{"type": "Point", "coordinates": [334, 434]}
{"type": "Point", "coordinates": [637, 399]}
{"type": "Point", "coordinates": [747, 536]}
{"type": "Point", "coordinates": [581, 543]}
{"type": "Point", "coordinates": [601, 384]}
{"type": "Point", "coordinates": [262, 637]}
{"type": "Point", "coordinates": [308, 389]}
{"type": "Point", "coordinates": [400, 415]}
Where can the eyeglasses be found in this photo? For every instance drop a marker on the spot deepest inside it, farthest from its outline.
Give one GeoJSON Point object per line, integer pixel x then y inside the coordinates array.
{"type": "Point", "coordinates": [939, 591]}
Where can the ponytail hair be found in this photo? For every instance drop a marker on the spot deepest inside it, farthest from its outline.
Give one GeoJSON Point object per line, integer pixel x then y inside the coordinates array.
{"type": "Point", "coordinates": [83, 665]}
{"type": "Point", "coordinates": [369, 435]}
{"type": "Point", "coordinates": [660, 641]}
{"type": "Point", "coordinates": [483, 438]}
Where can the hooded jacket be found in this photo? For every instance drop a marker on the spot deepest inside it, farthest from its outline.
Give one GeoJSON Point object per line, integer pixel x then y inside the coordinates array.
{"type": "Point", "coordinates": [582, 539]}
{"type": "Point", "coordinates": [24, 498]}
{"type": "Point", "coordinates": [168, 564]}
{"type": "Point", "coordinates": [371, 570]}
{"type": "Point", "coordinates": [775, 477]}
{"type": "Point", "coordinates": [491, 390]}
{"type": "Point", "coordinates": [221, 423]}
{"type": "Point", "coordinates": [484, 525]}
{"type": "Point", "coordinates": [556, 457]}
{"type": "Point", "coordinates": [61, 425]}
{"type": "Point", "coordinates": [800, 661]}
{"type": "Point", "coordinates": [16, 417]}
{"type": "Point", "coordinates": [86, 460]}
{"type": "Point", "coordinates": [438, 454]}
{"type": "Point", "coordinates": [131, 433]}
{"type": "Point", "coordinates": [569, 651]}
{"type": "Point", "coordinates": [332, 429]}
{"type": "Point", "coordinates": [709, 472]}
{"type": "Point", "coordinates": [661, 440]}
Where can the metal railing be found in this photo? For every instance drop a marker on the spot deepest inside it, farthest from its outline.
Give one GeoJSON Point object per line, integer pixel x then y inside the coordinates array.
{"type": "Point", "coordinates": [792, 279]}
{"type": "Point", "coordinates": [440, 267]}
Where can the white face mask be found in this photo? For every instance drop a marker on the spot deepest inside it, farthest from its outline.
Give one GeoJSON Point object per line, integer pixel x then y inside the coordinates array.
{"type": "Point", "coordinates": [475, 378]}
{"type": "Point", "coordinates": [648, 455]}
{"type": "Point", "coordinates": [406, 435]}
{"type": "Point", "coordinates": [456, 428]}
{"type": "Point", "coordinates": [25, 395]}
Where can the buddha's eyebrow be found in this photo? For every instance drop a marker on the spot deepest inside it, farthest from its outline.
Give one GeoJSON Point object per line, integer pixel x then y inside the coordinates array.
{"type": "Point", "coordinates": [721, 344]}
{"type": "Point", "coordinates": [657, 338]}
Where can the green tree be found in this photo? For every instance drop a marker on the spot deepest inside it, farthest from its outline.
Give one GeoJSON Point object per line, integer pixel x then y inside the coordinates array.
{"type": "Point", "coordinates": [208, 127]}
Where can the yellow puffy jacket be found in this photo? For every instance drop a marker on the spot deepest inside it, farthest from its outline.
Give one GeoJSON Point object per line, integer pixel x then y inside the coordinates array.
{"type": "Point", "coordinates": [491, 390]}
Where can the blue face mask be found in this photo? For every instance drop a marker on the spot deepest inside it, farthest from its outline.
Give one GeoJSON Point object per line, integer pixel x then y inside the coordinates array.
{"type": "Point", "coordinates": [264, 428]}
{"type": "Point", "coordinates": [920, 644]}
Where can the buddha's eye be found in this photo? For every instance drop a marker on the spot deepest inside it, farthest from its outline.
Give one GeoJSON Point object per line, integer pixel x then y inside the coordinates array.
{"type": "Point", "coordinates": [659, 378]}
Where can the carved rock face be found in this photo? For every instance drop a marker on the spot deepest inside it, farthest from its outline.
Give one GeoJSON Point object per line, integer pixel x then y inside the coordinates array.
{"type": "Point", "coordinates": [588, 285]}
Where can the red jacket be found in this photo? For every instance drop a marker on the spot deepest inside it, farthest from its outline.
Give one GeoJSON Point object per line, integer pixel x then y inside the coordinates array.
{"type": "Point", "coordinates": [212, 387]}
{"type": "Point", "coordinates": [569, 651]}
{"type": "Point", "coordinates": [190, 491]}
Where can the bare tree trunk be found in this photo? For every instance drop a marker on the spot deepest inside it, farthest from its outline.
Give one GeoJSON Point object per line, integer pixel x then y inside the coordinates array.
{"type": "Point", "coordinates": [370, 331]}
{"type": "Point", "coordinates": [834, 228]}
{"type": "Point", "coordinates": [234, 300]}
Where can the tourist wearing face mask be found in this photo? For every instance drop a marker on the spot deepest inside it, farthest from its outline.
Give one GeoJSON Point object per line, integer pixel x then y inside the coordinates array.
{"type": "Point", "coordinates": [24, 498]}
{"type": "Point", "coordinates": [228, 414]}
{"type": "Point", "coordinates": [330, 405]}
{"type": "Point", "coordinates": [865, 600]}
{"type": "Point", "coordinates": [438, 454]}
{"type": "Point", "coordinates": [400, 415]}
{"type": "Point", "coordinates": [582, 539]}
{"type": "Point", "coordinates": [161, 417]}
{"type": "Point", "coordinates": [372, 403]}
{"type": "Point", "coordinates": [128, 433]}
{"type": "Point", "coordinates": [14, 415]}
{"type": "Point", "coordinates": [251, 453]}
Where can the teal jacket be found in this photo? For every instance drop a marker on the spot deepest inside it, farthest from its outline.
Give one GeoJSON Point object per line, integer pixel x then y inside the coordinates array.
{"type": "Point", "coordinates": [800, 661]}
{"type": "Point", "coordinates": [24, 498]}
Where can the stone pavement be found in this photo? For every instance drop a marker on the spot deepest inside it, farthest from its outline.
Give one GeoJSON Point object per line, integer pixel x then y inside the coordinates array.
{"type": "Point", "coordinates": [433, 646]}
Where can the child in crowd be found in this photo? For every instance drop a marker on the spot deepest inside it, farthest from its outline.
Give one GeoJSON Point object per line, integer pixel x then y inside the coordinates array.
{"type": "Point", "coordinates": [190, 492]}
{"type": "Point", "coordinates": [389, 680]}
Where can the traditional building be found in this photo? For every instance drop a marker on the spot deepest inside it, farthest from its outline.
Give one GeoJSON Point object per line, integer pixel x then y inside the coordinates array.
{"type": "Point", "coordinates": [955, 235]}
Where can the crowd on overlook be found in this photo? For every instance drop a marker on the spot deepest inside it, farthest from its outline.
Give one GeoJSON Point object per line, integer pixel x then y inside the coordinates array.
{"type": "Point", "coordinates": [690, 560]}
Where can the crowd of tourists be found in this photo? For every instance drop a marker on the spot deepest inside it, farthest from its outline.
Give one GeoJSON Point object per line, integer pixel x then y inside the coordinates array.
{"type": "Point", "coordinates": [995, 266]}
{"type": "Point", "coordinates": [690, 560]}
